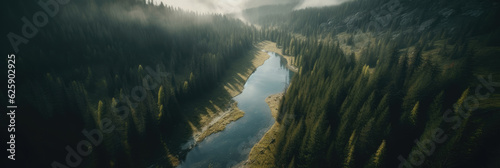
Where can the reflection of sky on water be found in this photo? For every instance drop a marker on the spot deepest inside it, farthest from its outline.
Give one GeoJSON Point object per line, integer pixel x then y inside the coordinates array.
{"type": "Point", "coordinates": [234, 143]}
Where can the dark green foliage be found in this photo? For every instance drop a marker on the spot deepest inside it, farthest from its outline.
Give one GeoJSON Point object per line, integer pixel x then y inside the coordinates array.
{"type": "Point", "coordinates": [86, 66]}
{"type": "Point", "coordinates": [362, 109]}
{"type": "Point", "coordinates": [395, 93]}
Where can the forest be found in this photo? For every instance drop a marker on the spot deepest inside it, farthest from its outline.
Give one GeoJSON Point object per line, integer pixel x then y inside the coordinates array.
{"type": "Point", "coordinates": [381, 83]}
{"type": "Point", "coordinates": [90, 64]}
{"type": "Point", "coordinates": [399, 96]}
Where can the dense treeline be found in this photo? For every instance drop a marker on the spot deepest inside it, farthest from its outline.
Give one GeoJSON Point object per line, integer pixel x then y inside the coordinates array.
{"type": "Point", "coordinates": [386, 15]}
{"type": "Point", "coordinates": [385, 104]}
{"type": "Point", "coordinates": [90, 63]}
{"type": "Point", "coordinates": [364, 92]}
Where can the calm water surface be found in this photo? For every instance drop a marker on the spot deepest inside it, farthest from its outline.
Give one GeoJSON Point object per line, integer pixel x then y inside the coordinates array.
{"type": "Point", "coordinates": [231, 146]}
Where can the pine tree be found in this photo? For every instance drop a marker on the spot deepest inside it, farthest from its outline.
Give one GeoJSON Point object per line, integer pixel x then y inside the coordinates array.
{"type": "Point", "coordinates": [414, 113]}
{"type": "Point", "coordinates": [379, 155]}
{"type": "Point", "coordinates": [99, 113]}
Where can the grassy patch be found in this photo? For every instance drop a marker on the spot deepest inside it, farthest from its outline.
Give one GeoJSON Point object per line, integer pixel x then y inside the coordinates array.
{"type": "Point", "coordinates": [262, 153]}
{"type": "Point", "coordinates": [219, 123]}
{"type": "Point", "coordinates": [271, 46]}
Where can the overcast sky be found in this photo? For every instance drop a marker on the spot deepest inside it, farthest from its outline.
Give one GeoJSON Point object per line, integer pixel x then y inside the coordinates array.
{"type": "Point", "coordinates": [232, 6]}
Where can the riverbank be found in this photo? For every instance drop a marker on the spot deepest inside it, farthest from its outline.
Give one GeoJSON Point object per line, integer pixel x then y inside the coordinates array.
{"type": "Point", "coordinates": [211, 112]}
{"type": "Point", "coordinates": [271, 47]}
{"type": "Point", "coordinates": [214, 119]}
{"type": "Point", "coordinates": [262, 153]}
{"type": "Point", "coordinates": [219, 122]}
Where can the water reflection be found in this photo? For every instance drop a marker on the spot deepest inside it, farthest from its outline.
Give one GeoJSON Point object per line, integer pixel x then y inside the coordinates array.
{"type": "Point", "coordinates": [231, 146]}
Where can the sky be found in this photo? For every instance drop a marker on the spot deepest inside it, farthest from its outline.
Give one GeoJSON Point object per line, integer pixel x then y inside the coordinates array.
{"type": "Point", "coordinates": [235, 6]}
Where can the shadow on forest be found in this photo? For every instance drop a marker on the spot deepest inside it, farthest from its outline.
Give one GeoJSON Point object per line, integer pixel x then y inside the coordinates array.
{"type": "Point", "coordinates": [199, 111]}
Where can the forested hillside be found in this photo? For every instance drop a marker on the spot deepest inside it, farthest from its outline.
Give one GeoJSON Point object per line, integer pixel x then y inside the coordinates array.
{"type": "Point", "coordinates": [126, 62]}
{"type": "Point", "coordinates": [380, 83]}
{"type": "Point", "coordinates": [418, 89]}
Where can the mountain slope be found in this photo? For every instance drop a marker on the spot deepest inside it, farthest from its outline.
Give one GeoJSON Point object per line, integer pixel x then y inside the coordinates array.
{"type": "Point", "coordinates": [413, 93]}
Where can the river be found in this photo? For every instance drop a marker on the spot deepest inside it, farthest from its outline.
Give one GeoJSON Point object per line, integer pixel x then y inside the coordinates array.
{"type": "Point", "coordinates": [231, 146]}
